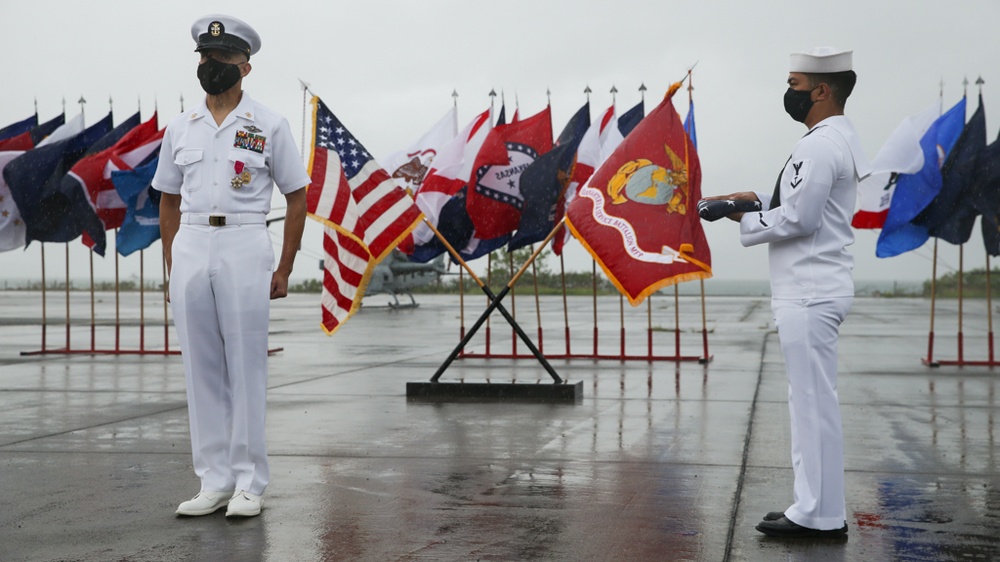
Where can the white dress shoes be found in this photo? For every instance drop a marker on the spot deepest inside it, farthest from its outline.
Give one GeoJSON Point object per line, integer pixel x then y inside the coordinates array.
{"type": "Point", "coordinates": [204, 503]}
{"type": "Point", "coordinates": [244, 504]}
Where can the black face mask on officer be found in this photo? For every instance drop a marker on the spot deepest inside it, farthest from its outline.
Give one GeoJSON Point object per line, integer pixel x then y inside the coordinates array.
{"type": "Point", "coordinates": [798, 103]}
{"type": "Point", "coordinates": [217, 77]}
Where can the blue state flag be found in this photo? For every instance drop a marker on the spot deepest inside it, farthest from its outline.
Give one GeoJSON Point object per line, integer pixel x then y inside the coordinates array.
{"type": "Point", "coordinates": [689, 127]}
{"type": "Point", "coordinates": [915, 191]}
{"type": "Point", "coordinates": [951, 215]}
{"type": "Point", "coordinates": [454, 225]}
{"type": "Point", "coordinates": [39, 133]}
{"type": "Point", "coordinates": [141, 226]}
{"type": "Point", "coordinates": [631, 118]}
{"type": "Point", "coordinates": [21, 127]}
{"type": "Point", "coordinates": [34, 180]}
{"type": "Point", "coordinates": [985, 195]}
{"type": "Point", "coordinates": [544, 182]}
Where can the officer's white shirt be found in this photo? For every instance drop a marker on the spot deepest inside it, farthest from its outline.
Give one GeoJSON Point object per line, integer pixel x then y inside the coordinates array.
{"type": "Point", "coordinates": [808, 234]}
{"type": "Point", "coordinates": [199, 159]}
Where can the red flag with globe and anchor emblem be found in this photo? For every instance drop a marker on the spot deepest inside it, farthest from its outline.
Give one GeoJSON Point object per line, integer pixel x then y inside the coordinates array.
{"type": "Point", "coordinates": [494, 200]}
{"type": "Point", "coordinates": [638, 214]}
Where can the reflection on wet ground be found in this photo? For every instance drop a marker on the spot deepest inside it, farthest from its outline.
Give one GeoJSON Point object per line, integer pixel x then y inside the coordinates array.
{"type": "Point", "coordinates": [659, 461]}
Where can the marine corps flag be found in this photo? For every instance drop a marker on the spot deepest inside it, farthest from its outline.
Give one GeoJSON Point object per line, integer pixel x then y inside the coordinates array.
{"type": "Point", "coordinates": [637, 215]}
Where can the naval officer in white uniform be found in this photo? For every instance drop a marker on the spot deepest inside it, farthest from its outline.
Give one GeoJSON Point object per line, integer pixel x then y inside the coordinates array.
{"type": "Point", "coordinates": [807, 226]}
{"type": "Point", "coordinates": [218, 165]}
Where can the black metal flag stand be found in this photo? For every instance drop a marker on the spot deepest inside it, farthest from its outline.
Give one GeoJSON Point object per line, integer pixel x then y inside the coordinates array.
{"type": "Point", "coordinates": [558, 391]}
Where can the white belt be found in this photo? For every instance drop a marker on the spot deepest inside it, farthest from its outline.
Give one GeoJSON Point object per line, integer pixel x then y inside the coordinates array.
{"type": "Point", "coordinates": [223, 219]}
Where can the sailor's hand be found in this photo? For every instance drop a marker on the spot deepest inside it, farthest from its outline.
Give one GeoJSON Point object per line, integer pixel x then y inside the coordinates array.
{"type": "Point", "coordinates": [731, 206]}
{"type": "Point", "coordinates": [279, 285]}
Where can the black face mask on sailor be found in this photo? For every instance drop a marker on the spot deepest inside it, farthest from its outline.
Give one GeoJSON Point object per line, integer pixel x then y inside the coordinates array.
{"type": "Point", "coordinates": [798, 103]}
{"type": "Point", "coordinates": [217, 77]}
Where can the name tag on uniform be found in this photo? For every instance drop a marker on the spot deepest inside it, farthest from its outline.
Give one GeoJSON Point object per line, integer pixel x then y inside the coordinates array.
{"type": "Point", "coordinates": [250, 141]}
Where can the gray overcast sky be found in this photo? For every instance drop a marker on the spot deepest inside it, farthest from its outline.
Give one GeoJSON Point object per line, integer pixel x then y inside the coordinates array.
{"type": "Point", "coordinates": [387, 69]}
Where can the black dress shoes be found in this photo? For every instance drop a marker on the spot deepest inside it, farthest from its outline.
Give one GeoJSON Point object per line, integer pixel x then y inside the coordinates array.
{"type": "Point", "coordinates": [783, 528]}
{"type": "Point", "coordinates": [774, 515]}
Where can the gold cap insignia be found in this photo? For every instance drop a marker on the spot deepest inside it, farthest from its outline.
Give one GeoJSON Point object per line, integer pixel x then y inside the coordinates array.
{"type": "Point", "coordinates": [216, 29]}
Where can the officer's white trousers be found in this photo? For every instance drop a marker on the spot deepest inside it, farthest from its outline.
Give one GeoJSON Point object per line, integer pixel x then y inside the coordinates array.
{"type": "Point", "coordinates": [808, 330]}
{"type": "Point", "coordinates": [220, 296]}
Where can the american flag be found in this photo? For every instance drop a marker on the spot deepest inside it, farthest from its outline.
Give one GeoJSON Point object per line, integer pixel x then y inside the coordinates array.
{"type": "Point", "coordinates": [365, 212]}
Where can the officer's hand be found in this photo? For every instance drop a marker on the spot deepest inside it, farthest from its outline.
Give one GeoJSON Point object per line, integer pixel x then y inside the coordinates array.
{"type": "Point", "coordinates": [279, 285]}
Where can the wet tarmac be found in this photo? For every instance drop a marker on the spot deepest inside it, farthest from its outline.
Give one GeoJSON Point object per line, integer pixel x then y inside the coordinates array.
{"type": "Point", "coordinates": [660, 461]}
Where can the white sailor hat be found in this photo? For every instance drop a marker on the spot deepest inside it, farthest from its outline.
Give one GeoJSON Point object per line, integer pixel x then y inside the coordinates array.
{"type": "Point", "coordinates": [225, 32]}
{"type": "Point", "coordinates": [821, 60]}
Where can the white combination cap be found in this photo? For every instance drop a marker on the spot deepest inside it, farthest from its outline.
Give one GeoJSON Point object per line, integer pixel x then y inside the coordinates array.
{"type": "Point", "coordinates": [821, 60]}
{"type": "Point", "coordinates": [225, 32]}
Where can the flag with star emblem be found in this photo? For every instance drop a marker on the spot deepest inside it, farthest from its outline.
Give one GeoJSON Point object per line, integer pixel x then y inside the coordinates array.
{"type": "Point", "coordinates": [365, 212]}
{"type": "Point", "coordinates": [494, 199]}
{"type": "Point", "coordinates": [544, 183]}
{"type": "Point", "coordinates": [638, 216]}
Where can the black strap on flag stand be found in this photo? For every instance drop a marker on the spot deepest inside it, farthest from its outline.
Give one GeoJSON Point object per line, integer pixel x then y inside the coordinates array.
{"type": "Point", "coordinates": [496, 304]}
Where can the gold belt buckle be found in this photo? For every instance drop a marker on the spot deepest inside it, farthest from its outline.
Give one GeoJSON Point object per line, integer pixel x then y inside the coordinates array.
{"type": "Point", "coordinates": [216, 220]}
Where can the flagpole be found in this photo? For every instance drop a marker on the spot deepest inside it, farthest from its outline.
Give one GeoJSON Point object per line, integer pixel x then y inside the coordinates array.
{"type": "Point", "coordinates": [930, 335]}
{"type": "Point", "coordinates": [704, 323]}
{"type": "Point", "coordinates": [461, 304]}
{"type": "Point", "coordinates": [677, 321]}
{"type": "Point", "coordinates": [513, 301]}
{"type": "Point", "coordinates": [934, 260]}
{"type": "Point", "coordinates": [44, 315]}
{"type": "Point", "coordinates": [67, 296]}
{"type": "Point", "coordinates": [649, 327]}
{"type": "Point", "coordinates": [93, 324]}
{"type": "Point", "coordinates": [118, 295]}
{"type": "Point", "coordinates": [989, 310]}
{"type": "Point", "coordinates": [142, 295]}
{"type": "Point", "coordinates": [701, 281]}
{"type": "Point", "coordinates": [593, 284]}
{"type": "Point", "coordinates": [562, 275]}
{"type": "Point", "coordinates": [305, 88]}
{"type": "Point", "coordinates": [538, 306]}
{"type": "Point", "coordinates": [495, 304]}
{"type": "Point", "coordinates": [489, 281]}
{"type": "Point", "coordinates": [989, 285]}
{"type": "Point", "coordinates": [961, 291]}
{"type": "Point", "coordinates": [621, 322]}
{"type": "Point", "coordinates": [83, 119]}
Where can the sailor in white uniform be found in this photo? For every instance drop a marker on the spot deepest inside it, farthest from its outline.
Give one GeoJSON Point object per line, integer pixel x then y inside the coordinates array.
{"type": "Point", "coordinates": [806, 223]}
{"type": "Point", "coordinates": [218, 165]}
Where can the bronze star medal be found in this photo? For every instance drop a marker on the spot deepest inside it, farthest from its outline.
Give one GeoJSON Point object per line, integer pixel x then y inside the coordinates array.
{"type": "Point", "coordinates": [242, 176]}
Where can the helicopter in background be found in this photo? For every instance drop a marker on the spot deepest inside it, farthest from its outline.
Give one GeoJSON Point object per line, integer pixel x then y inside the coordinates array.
{"type": "Point", "coordinates": [396, 275]}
